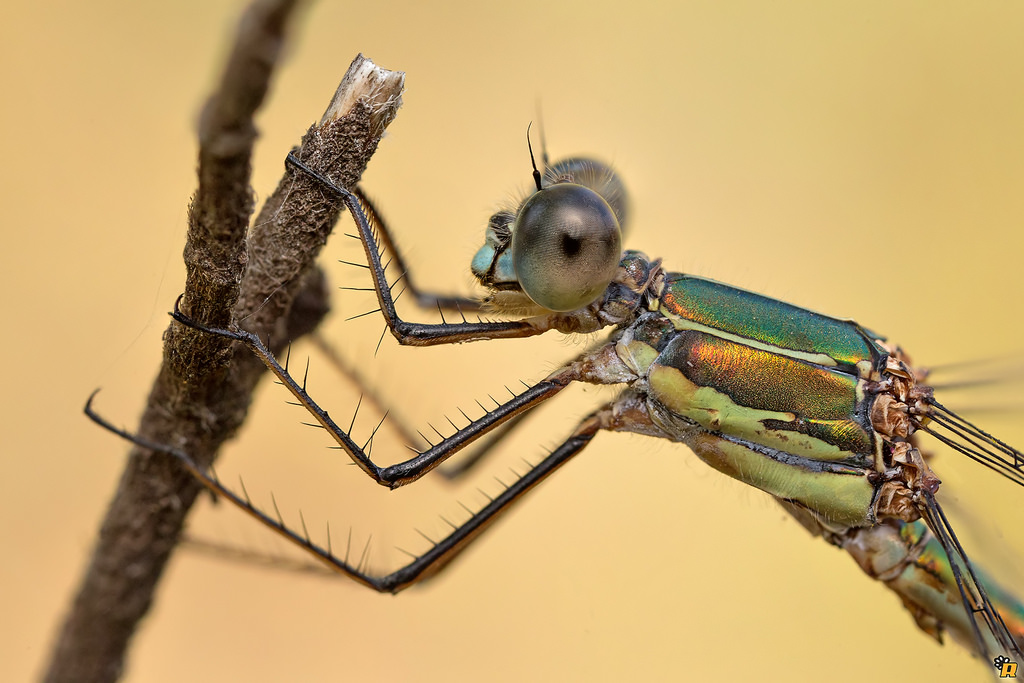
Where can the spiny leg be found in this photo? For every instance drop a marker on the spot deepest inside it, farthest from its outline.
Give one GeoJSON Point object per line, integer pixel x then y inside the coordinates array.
{"type": "Point", "coordinates": [418, 334]}
{"type": "Point", "coordinates": [967, 439]}
{"type": "Point", "coordinates": [466, 463]}
{"type": "Point", "coordinates": [469, 461]}
{"type": "Point", "coordinates": [430, 562]}
{"type": "Point", "coordinates": [367, 394]}
{"type": "Point", "coordinates": [981, 613]}
{"type": "Point", "coordinates": [407, 471]}
{"type": "Point", "coordinates": [425, 300]}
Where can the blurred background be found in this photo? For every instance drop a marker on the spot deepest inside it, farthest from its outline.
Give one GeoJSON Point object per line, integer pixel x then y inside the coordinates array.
{"type": "Point", "coordinates": [861, 159]}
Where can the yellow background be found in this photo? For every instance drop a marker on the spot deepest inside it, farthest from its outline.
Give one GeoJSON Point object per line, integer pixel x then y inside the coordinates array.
{"type": "Point", "coordinates": [864, 159]}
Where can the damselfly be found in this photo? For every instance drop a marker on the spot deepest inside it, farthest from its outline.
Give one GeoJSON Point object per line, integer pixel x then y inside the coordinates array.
{"type": "Point", "coordinates": [819, 412]}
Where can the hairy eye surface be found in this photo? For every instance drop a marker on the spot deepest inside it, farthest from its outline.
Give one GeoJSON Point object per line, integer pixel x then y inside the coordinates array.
{"type": "Point", "coordinates": [600, 178]}
{"type": "Point", "coordinates": [566, 246]}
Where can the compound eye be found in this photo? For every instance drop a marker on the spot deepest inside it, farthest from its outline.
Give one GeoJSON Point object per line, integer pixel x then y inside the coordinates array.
{"type": "Point", "coordinates": [566, 246]}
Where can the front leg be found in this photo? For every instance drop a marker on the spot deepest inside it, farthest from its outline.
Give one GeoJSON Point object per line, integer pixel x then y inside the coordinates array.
{"type": "Point", "coordinates": [412, 469]}
{"type": "Point", "coordinates": [425, 300]}
{"type": "Point", "coordinates": [418, 334]}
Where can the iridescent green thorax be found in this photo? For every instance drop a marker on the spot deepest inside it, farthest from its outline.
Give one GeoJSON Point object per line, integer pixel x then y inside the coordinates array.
{"type": "Point", "coordinates": [768, 393]}
{"type": "Point", "coordinates": [768, 372]}
{"type": "Point", "coordinates": [771, 398]}
{"type": "Point", "coordinates": [693, 302]}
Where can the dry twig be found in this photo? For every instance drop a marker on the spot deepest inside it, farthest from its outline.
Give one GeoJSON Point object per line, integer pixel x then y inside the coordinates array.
{"type": "Point", "coordinates": [264, 279]}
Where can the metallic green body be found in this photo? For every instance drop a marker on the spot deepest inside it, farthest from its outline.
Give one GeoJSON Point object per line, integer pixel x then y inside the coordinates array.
{"type": "Point", "coordinates": [762, 322]}
{"type": "Point", "coordinates": [780, 398]}
{"type": "Point", "coordinates": [816, 411]}
{"type": "Point", "coordinates": [777, 391]}
{"type": "Point", "coordinates": [765, 398]}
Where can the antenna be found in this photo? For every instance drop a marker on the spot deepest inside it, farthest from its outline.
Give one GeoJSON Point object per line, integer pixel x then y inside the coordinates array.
{"type": "Point", "coordinates": [533, 162]}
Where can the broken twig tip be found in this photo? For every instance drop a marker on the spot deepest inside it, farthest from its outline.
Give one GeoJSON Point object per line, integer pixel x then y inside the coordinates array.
{"type": "Point", "coordinates": [380, 89]}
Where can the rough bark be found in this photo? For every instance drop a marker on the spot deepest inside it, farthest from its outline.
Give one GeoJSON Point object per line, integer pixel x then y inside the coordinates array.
{"type": "Point", "coordinates": [262, 278]}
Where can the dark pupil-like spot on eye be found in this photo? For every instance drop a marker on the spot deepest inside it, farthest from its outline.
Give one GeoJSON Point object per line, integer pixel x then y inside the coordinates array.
{"type": "Point", "coordinates": [571, 245]}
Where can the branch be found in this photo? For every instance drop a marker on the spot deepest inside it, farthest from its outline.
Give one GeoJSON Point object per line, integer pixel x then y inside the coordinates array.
{"type": "Point", "coordinates": [265, 280]}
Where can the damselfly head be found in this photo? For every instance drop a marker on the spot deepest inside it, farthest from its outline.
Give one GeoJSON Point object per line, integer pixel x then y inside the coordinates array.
{"type": "Point", "coordinates": [559, 249]}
